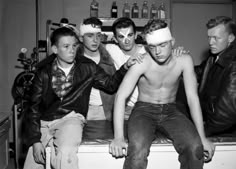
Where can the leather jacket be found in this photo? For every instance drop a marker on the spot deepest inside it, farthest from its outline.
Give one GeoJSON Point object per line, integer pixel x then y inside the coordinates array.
{"type": "Point", "coordinates": [108, 66]}
{"type": "Point", "coordinates": [47, 106]}
{"type": "Point", "coordinates": [217, 91]}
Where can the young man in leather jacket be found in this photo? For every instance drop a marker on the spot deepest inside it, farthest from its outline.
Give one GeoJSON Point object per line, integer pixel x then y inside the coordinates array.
{"type": "Point", "coordinates": [217, 88]}
{"type": "Point", "coordinates": [59, 102]}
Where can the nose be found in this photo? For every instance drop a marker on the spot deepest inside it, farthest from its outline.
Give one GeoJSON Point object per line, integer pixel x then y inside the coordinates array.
{"type": "Point", "coordinates": [126, 40]}
{"type": "Point", "coordinates": [211, 40]}
{"type": "Point", "coordinates": [95, 39]}
{"type": "Point", "coordinates": [157, 50]}
{"type": "Point", "coordinates": [73, 49]}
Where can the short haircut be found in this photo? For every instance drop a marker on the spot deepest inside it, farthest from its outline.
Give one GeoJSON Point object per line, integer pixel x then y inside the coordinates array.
{"type": "Point", "coordinates": [123, 22]}
{"type": "Point", "coordinates": [61, 32]}
{"type": "Point", "coordinates": [224, 20]}
{"type": "Point", "coordinates": [93, 21]}
{"type": "Point", "coordinates": [154, 24]}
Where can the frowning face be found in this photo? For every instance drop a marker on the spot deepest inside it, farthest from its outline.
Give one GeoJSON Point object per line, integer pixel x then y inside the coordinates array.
{"type": "Point", "coordinates": [218, 39]}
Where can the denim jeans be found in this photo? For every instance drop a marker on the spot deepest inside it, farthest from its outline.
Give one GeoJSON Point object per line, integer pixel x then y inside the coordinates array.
{"type": "Point", "coordinates": [147, 120]}
{"type": "Point", "coordinates": [63, 136]}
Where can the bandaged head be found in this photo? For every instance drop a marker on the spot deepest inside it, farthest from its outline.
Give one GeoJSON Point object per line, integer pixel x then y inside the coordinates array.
{"type": "Point", "coordinates": [89, 28]}
{"type": "Point", "coordinates": [158, 36]}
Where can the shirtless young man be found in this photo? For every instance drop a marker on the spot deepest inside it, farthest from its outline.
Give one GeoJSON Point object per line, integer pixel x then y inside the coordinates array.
{"type": "Point", "coordinates": [125, 33]}
{"type": "Point", "coordinates": [157, 78]}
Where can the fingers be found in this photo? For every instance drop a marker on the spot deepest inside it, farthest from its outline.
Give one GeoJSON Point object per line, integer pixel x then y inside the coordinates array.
{"type": "Point", "coordinates": [39, 158]}
{"type": "Point", "coordinates": [131, 62]}
{"type": "Point", "coordinates": [125, 150]}
{"type": "Point", "coordinates": [118, 150]}
{"type": "Point", "coordinates": [139, 58]}
{"type": "Point", "coordinates": [208, 155]}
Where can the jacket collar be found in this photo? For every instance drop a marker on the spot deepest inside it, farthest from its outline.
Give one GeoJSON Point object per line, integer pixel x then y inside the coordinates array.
{"type": "Point", "coordinates": [228, 55]}
{"type": "Point", "coordinates": [105, 56]}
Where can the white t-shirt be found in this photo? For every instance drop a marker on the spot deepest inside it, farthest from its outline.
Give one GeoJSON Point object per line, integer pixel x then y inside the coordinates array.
{"type": "Point", "coordinates": [119, 58]}
{"type": "Point", "coordinates": [95, 97]}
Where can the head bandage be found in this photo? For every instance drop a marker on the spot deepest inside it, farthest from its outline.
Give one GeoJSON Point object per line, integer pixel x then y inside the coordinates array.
{"type": "Point", "coordinates": [89, 29]}
{"type": "Point", "coordinates": [158, 36]}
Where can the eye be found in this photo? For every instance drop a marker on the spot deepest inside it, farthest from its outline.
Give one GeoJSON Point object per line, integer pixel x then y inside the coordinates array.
{"type": "Point", "coordinates": [151, 47]}
{"type": "Point", "coordinates": [163, 45]}
{"type": "Point", "coordinates": [99, 35]}
{"type": "Point", "coordinates": [130, 35]}
{"type": "Point", "coordinates": [66, 46]}
{"type": "Point", "coordinates": [120, 36]}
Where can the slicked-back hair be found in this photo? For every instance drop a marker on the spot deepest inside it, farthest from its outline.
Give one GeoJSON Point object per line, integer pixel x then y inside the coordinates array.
{"type": "Point", "coordinates": [154, 24]}
{"type": "Point", "coordinates": [93, 21]}
{"type": "Point", "coordinates": [61, 32]}
{"type": "Point", "coordinates": [123, 22]}
{"type": "Point", "coordinates": [224, 20]}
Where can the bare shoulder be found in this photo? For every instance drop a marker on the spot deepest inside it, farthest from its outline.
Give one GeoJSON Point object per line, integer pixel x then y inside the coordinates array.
{"type": "Point", "coordinates": [185, 60]}
{"type": "Point", "coordinates": [146, 61]}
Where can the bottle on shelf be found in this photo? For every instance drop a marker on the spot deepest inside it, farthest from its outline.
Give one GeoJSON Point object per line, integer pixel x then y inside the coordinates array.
{"type": "Point", "coordinates": [94, 9]}
{"type": "Point", "coordinates": [135, 10]}
{"type": "Point", "coordinates": [126, 10]}
{"type": "Point", "coordinates": [114, 10]}
{"type": "Point", "coordinates": [153, 11]}
{"type": "Point", "coordinates": [161, 11]}
{"type": "Point", "coordinates": [145, 10]}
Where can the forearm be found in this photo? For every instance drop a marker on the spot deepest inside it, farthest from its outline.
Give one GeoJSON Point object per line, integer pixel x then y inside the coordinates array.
{"type": "Point", "coordinates": [196, 114]}
{"type": "Point", "coordinates": [119, 109]}
{"type": "Point", "coordinates": [108, 83]}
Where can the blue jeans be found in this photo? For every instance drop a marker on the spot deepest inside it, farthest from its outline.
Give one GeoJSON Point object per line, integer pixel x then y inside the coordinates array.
{"type": "Point", "coordinates": [147, 120]}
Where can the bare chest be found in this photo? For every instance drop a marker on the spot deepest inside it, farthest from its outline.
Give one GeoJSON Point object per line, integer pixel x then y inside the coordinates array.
{"type": "Point", "coordinates": [163, 76]}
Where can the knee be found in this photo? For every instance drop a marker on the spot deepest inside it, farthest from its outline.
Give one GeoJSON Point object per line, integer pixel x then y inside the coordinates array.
{"type": "Point", "coordinates": [195, 150]}
{"type": "Point", "coordinates": [138, 150]}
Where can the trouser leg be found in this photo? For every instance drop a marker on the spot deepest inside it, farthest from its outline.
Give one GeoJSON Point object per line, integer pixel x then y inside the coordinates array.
{"type": "Point", "coordinates": [30, 162]}
{"type": "Point", "coordinates": [140, 136]}
{"type": "Point", "coordinates": [67, 138]}
{"type": "Point", "coordinates": [186, 139]}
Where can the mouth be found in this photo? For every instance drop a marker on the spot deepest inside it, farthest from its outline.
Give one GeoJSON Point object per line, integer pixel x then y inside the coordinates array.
{"type": "Point", "coordinates": [95, 45]}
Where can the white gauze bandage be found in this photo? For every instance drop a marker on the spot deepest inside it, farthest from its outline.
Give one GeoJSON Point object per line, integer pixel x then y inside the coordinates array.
{"type": "Point", "coordinates": [89, 29]}
{"type": "Point", "coordinates": [158, 36]}
{"type": "Point", "coordinates": [126, 35]}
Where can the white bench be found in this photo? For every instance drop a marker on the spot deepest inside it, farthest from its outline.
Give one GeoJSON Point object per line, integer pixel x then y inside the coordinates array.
{"type": "Point", "coordinates": [95, 155]}
{"type": "Point", "coordinates": [162, 156]}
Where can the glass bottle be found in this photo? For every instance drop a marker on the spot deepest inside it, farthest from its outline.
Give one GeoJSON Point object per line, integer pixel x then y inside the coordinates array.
{"type": "Point", "coordinates": [145, 10]}
{"type": "Point", "coordinates": [153, 11]}
{"type": "Point", "coordinates": [135, 10]}
{"type": "Point", "coordinates": [161, 11]}
{"type": "Point", "coordinates": [114, 10]}
{"type": "Point", "coordinates": [126, 10]}
{"type": "Point", "coordinates": [94, 9]}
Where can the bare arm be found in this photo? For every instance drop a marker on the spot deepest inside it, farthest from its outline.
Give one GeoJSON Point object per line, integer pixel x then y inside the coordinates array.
{"type": "Point", "coordinates": [190, 84]}
{"type": "Point", "coordinates": [128, 84]}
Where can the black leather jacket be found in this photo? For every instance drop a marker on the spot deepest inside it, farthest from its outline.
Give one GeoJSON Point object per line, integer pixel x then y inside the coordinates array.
{"type": "Point", "coordinates": [46, 105]}
{"type": "Point", "coordinates": [108, 66]}
{"type": "Point", "coordinates": [218, 93]}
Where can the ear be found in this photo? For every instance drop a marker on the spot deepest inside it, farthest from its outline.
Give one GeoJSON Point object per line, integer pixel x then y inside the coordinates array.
{"type": "Point", "coordinates": [231, 38]}
{"type": "Point", "coordinates": [173, 41]}
{"type": "Point", "coordinates": [54, 49]}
